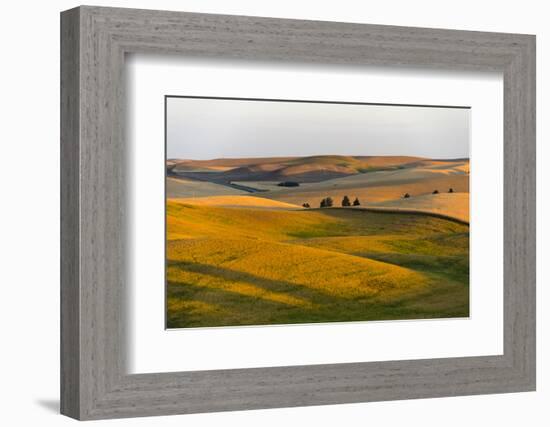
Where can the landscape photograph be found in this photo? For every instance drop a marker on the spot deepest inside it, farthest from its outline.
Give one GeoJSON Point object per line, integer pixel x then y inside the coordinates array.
{"type": "Point", "coordinates": [291, 212]}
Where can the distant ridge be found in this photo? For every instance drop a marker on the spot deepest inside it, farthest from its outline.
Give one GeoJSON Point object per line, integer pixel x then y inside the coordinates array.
{"type": "Point", "coordinates": [300, 169]}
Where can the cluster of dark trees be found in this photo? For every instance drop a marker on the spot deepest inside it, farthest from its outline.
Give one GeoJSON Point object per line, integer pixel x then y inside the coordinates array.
{"type": "Point", "coordinates": [328, 202]}
{"type": "Point", "coordinates": [347, 202]}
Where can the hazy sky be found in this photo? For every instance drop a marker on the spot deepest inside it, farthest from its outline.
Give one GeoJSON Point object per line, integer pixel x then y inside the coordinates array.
{"type": "Point", "coordinates": [212, 128]}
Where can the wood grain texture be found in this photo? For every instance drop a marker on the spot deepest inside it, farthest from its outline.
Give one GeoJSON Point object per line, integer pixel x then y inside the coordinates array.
{"type": "Point", "coordinates": [95, 383]}
{"type": "Point", "coordinates": [70, 290]}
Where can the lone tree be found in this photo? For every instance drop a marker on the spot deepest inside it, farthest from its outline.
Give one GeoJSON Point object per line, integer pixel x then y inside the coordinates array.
{"type": "Point", "coordinates": [435, 192]}
{"type": "Point", "coordinates": [356, 202]}
{"type": "Point", "coordinates": [346, 201]}
{"type": "Point", "coordinates": [406, 196]}
{"type": "Point", "coordinates": [323, 203]}
{"type": "Point", "coordinates": [451, 190]}
{"type": "Point", "coordinates": [306, 205]}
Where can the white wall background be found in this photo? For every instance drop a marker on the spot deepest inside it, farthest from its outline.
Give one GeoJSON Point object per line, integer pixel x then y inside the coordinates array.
{"type": "Point", "coordinates": [29, 214]}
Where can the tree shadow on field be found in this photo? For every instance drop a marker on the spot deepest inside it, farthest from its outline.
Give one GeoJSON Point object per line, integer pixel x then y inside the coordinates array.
{"type": "Point", "coordinates": [282, 286]}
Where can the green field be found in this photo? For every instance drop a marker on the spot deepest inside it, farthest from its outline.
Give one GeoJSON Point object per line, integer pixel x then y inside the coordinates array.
{"type": "Point", "coordinates": [254, 266]}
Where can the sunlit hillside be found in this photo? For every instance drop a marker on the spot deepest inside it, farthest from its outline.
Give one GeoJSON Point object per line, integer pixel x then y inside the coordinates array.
{"type": "Point", "coordinates": [252, 265]}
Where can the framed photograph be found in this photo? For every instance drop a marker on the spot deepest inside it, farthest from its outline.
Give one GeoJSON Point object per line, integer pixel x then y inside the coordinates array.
{"type": "Point", "coordinates": [291, 212]}
{"type": "Point", "coordinates": [262, 213]}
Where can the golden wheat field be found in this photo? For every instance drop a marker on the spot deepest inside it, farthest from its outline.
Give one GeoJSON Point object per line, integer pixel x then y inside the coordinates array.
{"type": "Point", "coordinates": [250, 260]}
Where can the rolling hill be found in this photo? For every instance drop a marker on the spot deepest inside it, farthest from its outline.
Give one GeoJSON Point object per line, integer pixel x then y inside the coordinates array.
{"type": "Point", "coordinates": [236, 201]}
{"type": "Point", "coordinates": [241, 249]}
{"type": "Point", "coordinates": [382, 186]}
{"type": "Point", "coordinates": [453, 205]}
{"type": "Point", "coordinates": [247, 265]}
{"type": "Point", "coordinates": [299, 169]}
{"type": "Point", "coordinates": [183, 187]}
{"type": "Point", "coordinates": [376, 181]}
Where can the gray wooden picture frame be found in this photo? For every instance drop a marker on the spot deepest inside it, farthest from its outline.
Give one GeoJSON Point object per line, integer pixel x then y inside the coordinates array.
{"type": "Point", "coordinates": [94, 381]}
